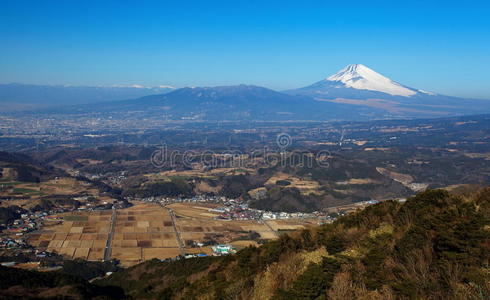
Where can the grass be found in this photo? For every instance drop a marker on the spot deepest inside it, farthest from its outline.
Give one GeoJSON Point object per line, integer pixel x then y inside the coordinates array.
{"type": "Point", "coordinates": [26, 191]}
{"type": "Point", "coordinates": [9, 182]}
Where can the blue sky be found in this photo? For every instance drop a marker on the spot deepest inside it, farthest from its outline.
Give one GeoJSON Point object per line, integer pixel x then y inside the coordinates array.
{"type": "Point", "coordinates": [440, 46]}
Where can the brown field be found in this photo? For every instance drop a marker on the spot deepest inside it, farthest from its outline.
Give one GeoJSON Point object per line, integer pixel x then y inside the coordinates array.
{"type": "Point", "coordinates": [146, 231]}
{"type": "Point", "coordinates": [402, 178]}
{"type": "Point", "coordinates": [243, 244]}
{"type": "Point", "coordinates": [291, 224]}
{"type": "Point", "coordinates": [198, 172]}
{"type": "Point", "coordinates": [194, 210]}
{"type": "Point", "coordinates": [304, 186]}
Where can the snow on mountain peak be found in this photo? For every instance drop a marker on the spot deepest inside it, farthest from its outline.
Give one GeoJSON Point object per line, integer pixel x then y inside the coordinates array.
{"type": "Point", "coordinates": [360, 77]}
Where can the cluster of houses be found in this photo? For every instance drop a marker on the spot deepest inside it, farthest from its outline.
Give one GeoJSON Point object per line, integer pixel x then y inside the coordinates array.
{"type": "Point", "coordinates": [268, 215]}
{"type": "Point", "coordinates": [241, 211]}
{"type": "Point", "coordinates": [116, 179]}
{"type": "Point", "coordinates": [6, 242]}
{"type": "Point", "coordinates": [236, 211]}
{"type": "Point", "coordinates": [26, 223]}
{"type": "Point", "coordinates": [196, 199]}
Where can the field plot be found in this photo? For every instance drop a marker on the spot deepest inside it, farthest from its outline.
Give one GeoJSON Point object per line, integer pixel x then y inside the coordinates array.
{"type": "Point", "coordinates": [79, 236]}
{"type": "Point", "coordinates": [194, 210]}
{"type": "Point", "coordinates": [141, 232]}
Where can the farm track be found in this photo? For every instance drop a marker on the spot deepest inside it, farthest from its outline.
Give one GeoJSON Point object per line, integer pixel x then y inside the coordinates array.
{"type": "Point", "coordinates": [271, 229]}
{"type": "Point", "coordinates": [108, 249]}
{"type": "Point", "coordinates": [177, 233]}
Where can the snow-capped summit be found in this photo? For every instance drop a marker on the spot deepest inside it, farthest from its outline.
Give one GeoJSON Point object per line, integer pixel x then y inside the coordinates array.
{"type": "Point", "coordinates": [360, 77]}
{"type": "Point", "coordinates": [357, 81]}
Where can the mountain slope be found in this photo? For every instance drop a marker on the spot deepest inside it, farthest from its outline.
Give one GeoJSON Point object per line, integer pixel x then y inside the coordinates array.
{"type": "Point", "coordinates": [434, 246]}
{"type": "Point", "coordinates": [356, 80]}
{"type": "Point", "coordinates": [362, 78]}
{"type": "Point", "coordinates": [237, 103]}
{"type": "Point", "coordinates": [20, 167]}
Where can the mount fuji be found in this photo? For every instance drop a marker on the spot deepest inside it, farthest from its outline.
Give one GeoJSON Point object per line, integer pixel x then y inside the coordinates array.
{"type": "Point", "coordinates": [359, 85]}
{"type": "Point", "coordinates": [358, 81]}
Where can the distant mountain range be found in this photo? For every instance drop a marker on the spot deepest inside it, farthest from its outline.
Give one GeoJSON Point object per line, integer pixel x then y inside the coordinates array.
{"type": "Point", "coordinates": [354, 93]}
{"type": "Point", "coordinates": [27, 96]}
{"type": "Point", "coordinates": [235, 103]}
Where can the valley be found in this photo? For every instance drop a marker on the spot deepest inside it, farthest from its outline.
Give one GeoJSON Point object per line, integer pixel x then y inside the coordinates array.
{"type": "Point", "coordinates": [147, 231]}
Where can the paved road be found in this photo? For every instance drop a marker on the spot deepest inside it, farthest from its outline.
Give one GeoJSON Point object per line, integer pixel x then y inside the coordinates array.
{"type": "Point", "coordinates": [177, 233]}
{"type": "Point", "coordinates": [108, 249]}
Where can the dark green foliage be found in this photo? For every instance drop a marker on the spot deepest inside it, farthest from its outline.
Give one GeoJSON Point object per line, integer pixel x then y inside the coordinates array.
{"type": "Point", "coordinates": [314, 282]}
{"type": "Point", "coordinates": [335, 244]}
{"type": "Point", "coordinates": [43, 205]}
{"type": "Point", "coordinates": [87, 269]}
{"type": "Point", "coordinates": [376, 272]}
{"type": "Point", "coordinates": [460, 233]}
{"type": "Point", "coordinates": [8, 214]}
{"type": "Point", "coordinates": [287, 199]}
{"type": "Point", "coordinates": [27, 175]}
{"type": "Point", "coordinates": [236, 186]}
{"type": "Point", "coordinates": [414, 238]}
{"type": "Point", "coordinates": [372, 216]}
{"type": "Point", "coordinates": [283, 182]}
{"type": "Point", "coordinates": [60, 200]}
{"type": "Point", "coordinates": [306, 240]}
{"type": "Point", "coordinates": [32, 280]}
{"type": "Point", "coordinates": [173, 188]}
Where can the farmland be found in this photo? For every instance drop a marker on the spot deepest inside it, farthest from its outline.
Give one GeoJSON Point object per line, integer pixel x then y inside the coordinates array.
{"type": "Point", "coordinates": [145, 231]}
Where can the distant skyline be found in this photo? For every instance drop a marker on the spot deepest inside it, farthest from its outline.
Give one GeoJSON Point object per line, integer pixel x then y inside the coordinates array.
{"type": "Point", "coordinates": [439, 46]}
